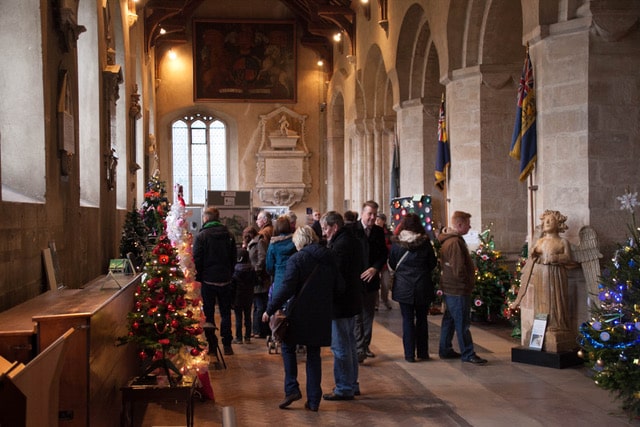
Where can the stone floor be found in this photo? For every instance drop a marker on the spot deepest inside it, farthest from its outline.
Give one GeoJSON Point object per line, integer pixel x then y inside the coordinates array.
{"type": "Point", "coordinates": [397, 393]}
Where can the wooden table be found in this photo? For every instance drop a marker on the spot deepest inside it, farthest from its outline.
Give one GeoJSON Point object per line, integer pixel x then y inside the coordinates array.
{"type": "Point", "coordinates": [134, 393]}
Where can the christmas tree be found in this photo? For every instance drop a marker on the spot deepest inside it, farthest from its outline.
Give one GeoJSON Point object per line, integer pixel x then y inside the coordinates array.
{"type": "Point", "coordinates": [610, 341]}
{"type": "Point", "coordinates": [182, 241]}
{"type": "Point", "coordinates": [163, 320]}
{"type": "Point", "coordinates": [513, 314]}
{"type": "Point", "coordinates": [492, 280]}
{"type": "Point", "coordinates": [135, 237]}
{"type": "Point", "coordinates": [155, 206]}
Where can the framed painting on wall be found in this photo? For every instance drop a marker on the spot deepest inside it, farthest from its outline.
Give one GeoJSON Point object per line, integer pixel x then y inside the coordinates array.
{"type": "Point", "coordinates": [244, 61]}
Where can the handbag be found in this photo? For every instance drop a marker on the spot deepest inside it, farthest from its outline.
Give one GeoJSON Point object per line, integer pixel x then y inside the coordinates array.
{"type": "Point", "coordinates": [392, 272]}
{"type": "Point", "coordinates": [279, 322]}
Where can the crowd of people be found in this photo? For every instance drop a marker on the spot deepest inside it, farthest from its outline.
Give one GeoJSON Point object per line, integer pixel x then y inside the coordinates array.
{"type": "Point", "coordinates": [330, 277]}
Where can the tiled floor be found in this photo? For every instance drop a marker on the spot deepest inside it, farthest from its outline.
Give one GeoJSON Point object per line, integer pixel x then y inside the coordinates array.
{"type": "Point", "coordinates": [397, 393]}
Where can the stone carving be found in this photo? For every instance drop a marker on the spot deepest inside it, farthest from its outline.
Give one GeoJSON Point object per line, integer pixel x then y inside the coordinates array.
{"type": "Point", "coordinates": [588, 255]}
{"type": "Point", "coordinates": [283, 176]}
{"type": "Point", "coordinates": [544, 281]}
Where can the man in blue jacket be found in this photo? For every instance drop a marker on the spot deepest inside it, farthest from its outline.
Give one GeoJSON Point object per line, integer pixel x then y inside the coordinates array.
{"type": "Point", "coordinates": [214, 253]}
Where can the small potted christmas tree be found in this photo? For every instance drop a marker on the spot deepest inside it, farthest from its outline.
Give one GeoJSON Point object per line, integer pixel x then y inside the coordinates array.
{"type": "Point", "coordinates": [135, 238]}
{"type": "Point", "coordinates": [155, 206]}
{"type": "Point", "coordinates": [492, 281]}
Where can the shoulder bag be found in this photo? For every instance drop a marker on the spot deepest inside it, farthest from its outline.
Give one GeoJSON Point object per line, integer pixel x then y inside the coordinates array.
{"type": "Point", "coordinates": [279, 321]}
{"type": "Point", "coordinates": [392, 272]}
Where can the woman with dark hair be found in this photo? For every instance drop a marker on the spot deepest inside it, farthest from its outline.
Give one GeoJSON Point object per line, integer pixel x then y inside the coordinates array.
{"type": "Point", "coordinates": [412, 260]}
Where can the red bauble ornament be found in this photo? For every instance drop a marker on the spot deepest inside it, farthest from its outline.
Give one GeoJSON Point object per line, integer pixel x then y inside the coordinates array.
{"type": "Point", "coordinates": [135, 325]}
{"type": "Point", "coordinates": [171, 307]}
{"type": "Point", "coordinates": [175, 323]}
{"type": "Point", "coordinates": [142, 355]}
{"type": "Point", "coordinates": [164, 341]}
{"type": "Point", "coordinates": [195, 352]}
{"type": "Point", "coordinates": [189, 314]}
{"type": "Point", "coordinates": [173, 288]}
{"type": "Point", "coordinates": [163, 259]}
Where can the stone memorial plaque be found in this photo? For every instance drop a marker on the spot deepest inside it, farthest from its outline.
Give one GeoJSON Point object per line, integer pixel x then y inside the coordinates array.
{"type": "Point", "coordinates": [283, 170]}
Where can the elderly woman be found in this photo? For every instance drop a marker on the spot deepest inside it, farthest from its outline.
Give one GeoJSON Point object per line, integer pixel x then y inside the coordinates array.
{"type": "Point", "coordinates": [314, 269]}
{"type": "Point", "coordinates": [413, 259]}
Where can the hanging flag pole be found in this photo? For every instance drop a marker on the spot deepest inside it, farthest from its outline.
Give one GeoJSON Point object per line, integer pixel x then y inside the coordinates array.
{"type": "Point", "coordinates": [524, 138]}
{"type": "Point", "coordinates": [443, 155]}
{"type": "Point", "coordinates": [394, 181]}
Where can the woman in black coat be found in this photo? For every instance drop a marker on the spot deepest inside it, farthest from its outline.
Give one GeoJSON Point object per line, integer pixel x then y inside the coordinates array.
{"type": "Point", "coordinates": [310, 316]}
{"type": "Point", "coordinates": [413, 259]}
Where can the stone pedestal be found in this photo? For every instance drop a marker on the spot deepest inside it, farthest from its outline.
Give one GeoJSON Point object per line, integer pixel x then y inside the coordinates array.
{"type": "Point", "coordinates": [560, 360]}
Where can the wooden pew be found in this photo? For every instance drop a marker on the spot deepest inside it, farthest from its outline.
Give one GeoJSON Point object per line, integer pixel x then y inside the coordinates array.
{"type": "Point", "coordinates": [95, 368]}
{"type": "Point", "coordinates": [34, 400]}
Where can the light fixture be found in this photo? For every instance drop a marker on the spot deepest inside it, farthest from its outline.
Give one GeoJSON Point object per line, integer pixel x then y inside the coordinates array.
{"type": "Point", "coordinates": [337, 37]}
{"type": "Point", "coordinates": [364, 1]}
{"type": "Point", "coordinates": [162, 31]}
{"type": "Point", "coordinates": [320, 62]}
{"type": "Point", "coordinates": [172, 54]}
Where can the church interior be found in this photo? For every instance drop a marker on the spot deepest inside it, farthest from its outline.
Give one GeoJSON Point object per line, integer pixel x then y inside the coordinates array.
{"type": "Point", "coordinates": [309, 105]}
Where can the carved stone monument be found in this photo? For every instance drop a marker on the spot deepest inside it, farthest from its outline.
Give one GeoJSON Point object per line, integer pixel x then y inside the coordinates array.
{"type": "Point", "coordinates": [283, 177]}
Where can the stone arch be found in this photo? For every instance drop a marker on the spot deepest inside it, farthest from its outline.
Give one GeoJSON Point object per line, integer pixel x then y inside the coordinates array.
{"type": "Point", "coordinates": [405, 50]}
{"type": "Point", "coordinates": [373, 82]}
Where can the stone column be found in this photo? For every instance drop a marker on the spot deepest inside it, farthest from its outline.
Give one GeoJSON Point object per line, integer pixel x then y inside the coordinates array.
{"type": "Point", "coordinates": [413, 170]}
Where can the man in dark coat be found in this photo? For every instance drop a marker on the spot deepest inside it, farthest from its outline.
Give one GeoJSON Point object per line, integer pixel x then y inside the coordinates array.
{"type": "Point", "coordinates": [341, 241]}
{"type": "Point", "coordinates": [374, 257]}
{"type": "Point", "coordinates": [214, 253]}
{"type": "Point", "coordinates": [314, 268]}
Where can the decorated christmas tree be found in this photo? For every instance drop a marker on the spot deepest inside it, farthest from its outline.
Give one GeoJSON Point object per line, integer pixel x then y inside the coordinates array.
{"type": "Point", "coordinates": [164, 320]}
{"type": "Point", "coordinates": [610, 341]}
{"type": "Point", "coordinates": [513, 314]}
{"type": "Point", "coordinates": [492, 280]}
{"type": "Point", "coordinates": [155, 206]}
{"type": "Point", "coordinates": [182, 240]}
{"type": "Point", "coordinates": [135, 237]}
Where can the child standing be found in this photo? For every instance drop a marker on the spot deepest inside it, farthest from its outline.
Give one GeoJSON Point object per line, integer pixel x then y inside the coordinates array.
{"type": "Point", "coordinates": [244, 279]}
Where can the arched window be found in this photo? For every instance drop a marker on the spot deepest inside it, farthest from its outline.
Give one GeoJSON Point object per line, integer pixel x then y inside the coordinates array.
{"type": "Point", "coordinates": [22, 112]}
{"type": "Point", "coordinates": [199, 156]}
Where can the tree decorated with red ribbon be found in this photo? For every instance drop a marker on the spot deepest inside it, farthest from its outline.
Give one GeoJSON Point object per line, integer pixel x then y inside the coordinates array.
{"type": "Point", "coordinates": [162, 321]}
{"type": "Point", "coordinates": [155, 207]}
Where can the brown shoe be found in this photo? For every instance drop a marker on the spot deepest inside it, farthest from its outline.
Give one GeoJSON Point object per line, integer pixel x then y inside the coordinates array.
{"type": "Point", "coordinates": [289, 399]}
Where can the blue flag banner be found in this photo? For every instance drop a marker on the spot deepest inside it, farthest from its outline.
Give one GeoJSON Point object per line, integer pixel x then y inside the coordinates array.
{"type": "Point", "coordinates": [524, 139]}
{"type": "Point", "coordinates": [443, 156]}
{"type": "Point", "coordinates": [394, 182]}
